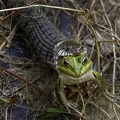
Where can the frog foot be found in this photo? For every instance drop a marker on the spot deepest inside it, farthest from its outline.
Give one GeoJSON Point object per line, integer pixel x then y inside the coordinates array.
{"type": "Point", "coordinates": [73, 106]}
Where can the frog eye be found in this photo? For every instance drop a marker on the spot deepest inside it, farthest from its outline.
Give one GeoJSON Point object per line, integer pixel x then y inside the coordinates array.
{"type": "Point", "coordinates": [66, 62]}
{"type": "Point", "coordinates": [85, 60]}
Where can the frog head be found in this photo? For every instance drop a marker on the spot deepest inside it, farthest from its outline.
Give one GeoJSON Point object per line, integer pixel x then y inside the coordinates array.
{"type": "Point", "coordinates": [74, 65]}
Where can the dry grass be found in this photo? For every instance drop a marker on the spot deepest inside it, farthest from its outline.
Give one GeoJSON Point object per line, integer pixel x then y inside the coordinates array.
{"type": "Point", "coordinates": [97, 24]}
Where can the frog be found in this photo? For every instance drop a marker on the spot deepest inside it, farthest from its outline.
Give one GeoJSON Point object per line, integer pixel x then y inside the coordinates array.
{"type": "Point", "coordinates": [76, 69]}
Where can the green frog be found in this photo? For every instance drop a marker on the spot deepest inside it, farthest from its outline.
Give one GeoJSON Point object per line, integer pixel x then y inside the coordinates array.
{"type": "Point", "coordinates": [76, 69]}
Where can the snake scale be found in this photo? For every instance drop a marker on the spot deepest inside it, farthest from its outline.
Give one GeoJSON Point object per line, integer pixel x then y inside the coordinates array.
{"type": "Point", "coordinates": [43, 34]}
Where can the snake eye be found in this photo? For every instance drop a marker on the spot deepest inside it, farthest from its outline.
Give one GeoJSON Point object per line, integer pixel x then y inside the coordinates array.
{"type": "Point", "coordinates": [66, 62]}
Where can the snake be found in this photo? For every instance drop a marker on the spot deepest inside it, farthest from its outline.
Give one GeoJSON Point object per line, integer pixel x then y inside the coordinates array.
{"type": "Point", "coordinates": [49, 42]}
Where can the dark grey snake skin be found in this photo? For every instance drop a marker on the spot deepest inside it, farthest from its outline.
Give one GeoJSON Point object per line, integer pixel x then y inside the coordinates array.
{"type": "Point", "coordinates": [41, 32]}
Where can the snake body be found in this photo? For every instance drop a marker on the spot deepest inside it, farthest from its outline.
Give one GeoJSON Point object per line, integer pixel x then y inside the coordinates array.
{"type": "Point", "coordinates": [41, 32]}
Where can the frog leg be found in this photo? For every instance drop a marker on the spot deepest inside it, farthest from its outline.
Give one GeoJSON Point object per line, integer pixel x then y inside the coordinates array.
{"type": "Point", "coordinates": [61, 94]}
{"type": "Point", "coordinates": [68, 104]}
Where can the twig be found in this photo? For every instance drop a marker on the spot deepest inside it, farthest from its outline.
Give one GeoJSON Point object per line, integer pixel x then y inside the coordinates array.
{"type": "Point", "coordinates": [11, 35]}
{"type": "Point", "coordinates": [6, 113]}
{"type": "Point", "coordinates": [40, 5]}
{"type": "Point", "coordinates": [113, 105]}
{"type": "Point", "coordinates": [7, 81]}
